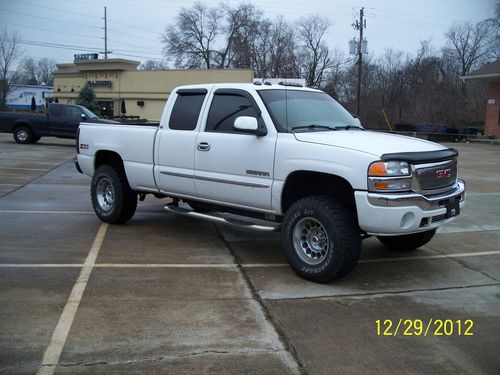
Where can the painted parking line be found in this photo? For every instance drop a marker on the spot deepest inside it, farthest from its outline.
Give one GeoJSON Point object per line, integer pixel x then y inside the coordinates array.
{"type": "Point", "coordinates": [60, 334]}
{"type": "Point", "coordinates": [24, 169]}
{"type": "Point", "coordinates": [14, 185]}
{"type": "Point", "coordinates": [45, 212]}
{"type": "Point", "coordinates": [424, 257]}
{"type": "Point", "coordinates": [233, 265]}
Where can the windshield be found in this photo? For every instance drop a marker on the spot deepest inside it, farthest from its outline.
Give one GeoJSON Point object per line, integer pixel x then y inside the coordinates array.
{"type": "Point", "coordinates": [294, 110]}
{"type": "Point", "coordinates": [87, 112]}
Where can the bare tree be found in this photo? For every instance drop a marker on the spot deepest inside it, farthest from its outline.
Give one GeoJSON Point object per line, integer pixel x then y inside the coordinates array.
{"type": "Point", "coordinates": [190, 40]}
{"type": "Point", "coordinates": [45, 68]}
{"type": "Point", "coordinates": [28, 72]}
{"type": "Point", "coordinates": [240, 29]}
{"type": "Point", "coordinates": [314, 52]}
{"type": "Point", "coordinates": [10, 54]}
{"type": "Point", "coordinates": [153, 65]}
{"type": "Point", "coordinates": [468, 45]}
{"type": "Point", "coordinates": [284, 61]}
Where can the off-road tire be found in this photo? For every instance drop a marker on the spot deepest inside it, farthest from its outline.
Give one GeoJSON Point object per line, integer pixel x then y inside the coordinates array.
{"type": "Point", "coordinates": [339, 247]}
{"type": "Point", "coordinates": [407, 242]}
{"type": "Point", "coordinates": [113, 200]}
{"type": "Point", "coordinates": [23, 135]}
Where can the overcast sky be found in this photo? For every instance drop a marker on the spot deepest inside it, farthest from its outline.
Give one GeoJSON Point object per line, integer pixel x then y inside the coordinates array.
{"type": "Point", "coordinates": [60, 28]}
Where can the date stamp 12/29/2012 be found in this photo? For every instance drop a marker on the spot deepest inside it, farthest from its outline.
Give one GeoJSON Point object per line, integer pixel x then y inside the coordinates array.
{"type": "Point", "coordinates": [418, 327]}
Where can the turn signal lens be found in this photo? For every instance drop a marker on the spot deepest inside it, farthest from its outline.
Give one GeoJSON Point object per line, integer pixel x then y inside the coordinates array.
{"type": "Point", "coordinates": [377, 169]}
{"type": "Point", "coordinates": [381, 185]}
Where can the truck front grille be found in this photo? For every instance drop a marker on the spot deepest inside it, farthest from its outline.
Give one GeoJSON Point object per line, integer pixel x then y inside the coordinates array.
{"type": "Point", "coordinates": [434, 178]}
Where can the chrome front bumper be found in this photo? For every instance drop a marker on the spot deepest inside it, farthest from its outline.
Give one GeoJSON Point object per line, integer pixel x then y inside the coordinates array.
{"type": "Point", "coordinates": [404, 213]}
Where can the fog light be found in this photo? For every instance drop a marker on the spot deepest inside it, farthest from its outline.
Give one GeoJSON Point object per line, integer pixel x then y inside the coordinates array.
{"type": "Point", "coordinates": [407, 220]}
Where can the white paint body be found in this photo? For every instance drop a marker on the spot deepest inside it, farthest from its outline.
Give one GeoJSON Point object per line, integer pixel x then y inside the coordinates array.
{"type": "Point", "coordinates": [164, 161]}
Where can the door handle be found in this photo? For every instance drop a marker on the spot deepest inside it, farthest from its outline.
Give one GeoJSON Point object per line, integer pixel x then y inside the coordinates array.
{"type": "Point", "coordinates": [203, 146]}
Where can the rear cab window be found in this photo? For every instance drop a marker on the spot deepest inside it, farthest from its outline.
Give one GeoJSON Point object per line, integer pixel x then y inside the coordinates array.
{"type": "Point", "coordinates": [186, 110]}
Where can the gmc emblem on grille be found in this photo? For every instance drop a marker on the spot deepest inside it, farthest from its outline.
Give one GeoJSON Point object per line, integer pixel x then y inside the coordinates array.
{"type": "Point", "coordinates": [443, 173]}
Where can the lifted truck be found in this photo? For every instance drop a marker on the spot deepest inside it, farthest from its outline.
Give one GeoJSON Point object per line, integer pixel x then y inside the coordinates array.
{"type": "Point", "coordinates": [61, 121]}
{"type": "Point", "coordinates": [284, 158]}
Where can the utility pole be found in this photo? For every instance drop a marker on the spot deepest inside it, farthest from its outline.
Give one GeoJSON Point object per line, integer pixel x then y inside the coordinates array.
{"type": "Point", "coordinates": [361, 49]}
{"type": "Point", "coordinates": [105, 34]}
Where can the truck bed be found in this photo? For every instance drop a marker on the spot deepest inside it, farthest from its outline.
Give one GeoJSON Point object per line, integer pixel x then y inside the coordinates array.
{"type": "Point", "coordinates": [135, 142]}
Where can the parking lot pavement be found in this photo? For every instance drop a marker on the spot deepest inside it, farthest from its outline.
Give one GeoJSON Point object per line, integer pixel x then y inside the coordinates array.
{"type": "Point", "coordinates": [20, 164]}
{"type": "Point", "coordinates": [175, 295]}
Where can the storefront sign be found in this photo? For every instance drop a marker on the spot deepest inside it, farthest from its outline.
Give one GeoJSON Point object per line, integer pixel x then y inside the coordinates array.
{"type": "Point", "coordinates": [108, 84]}
{"type": "Point", "coordinates": [86, 56]}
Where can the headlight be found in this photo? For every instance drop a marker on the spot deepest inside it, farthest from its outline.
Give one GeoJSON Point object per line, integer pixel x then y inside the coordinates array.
{"type": "Point", "coordinates": [389, 169]}
{"type": "Point", "coordinates": [390, 176]}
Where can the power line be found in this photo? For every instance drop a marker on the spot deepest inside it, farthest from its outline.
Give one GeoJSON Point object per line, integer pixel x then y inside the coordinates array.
{"type": "Point", "coordinates": [145, 49]}
{"type": "Point", "coordinates": [49, 19]}
{"type": "Point", "coordinates": [412, 14]}
{"type": "Point", "coordinates": [55, 9]}
{"type": "Point", "coordinates": [405, 21]}
{"type": "Point", "coordinates": [83, 48]}
{"type": "Point", "coordinates": [49, 30]}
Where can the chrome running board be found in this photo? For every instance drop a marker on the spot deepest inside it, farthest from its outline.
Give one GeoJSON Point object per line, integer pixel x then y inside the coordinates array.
{"type": "Point", "coordinates": [235, 222]}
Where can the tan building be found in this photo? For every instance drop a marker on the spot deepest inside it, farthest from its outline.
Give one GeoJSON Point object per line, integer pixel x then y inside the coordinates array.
{"type": "Point", "coordinates": [144, 92]}
{"type": "Point", "coordinates": [490, 73]}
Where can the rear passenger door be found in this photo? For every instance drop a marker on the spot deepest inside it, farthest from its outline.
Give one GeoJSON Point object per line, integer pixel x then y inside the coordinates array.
{"type": "Point", "coordinates": [232, 166]}
{"type": "Point", "coordinates": [175, 152]}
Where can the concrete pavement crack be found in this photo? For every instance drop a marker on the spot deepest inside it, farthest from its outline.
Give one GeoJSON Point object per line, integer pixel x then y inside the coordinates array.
{"type": "Point", "coordinates": [281, 335]}
{"type": "Point", "coordinates": [150, 359]}
{"type": "Point", "coordinates": [390, 293]}
{"type": "Point", "coordinates": [36, 178]}
{"type": "Point", "coordinates": [463, 264]}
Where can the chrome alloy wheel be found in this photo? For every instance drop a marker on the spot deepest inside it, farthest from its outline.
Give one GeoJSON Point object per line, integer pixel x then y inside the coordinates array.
{"type": "Point", "coordinates": [22, 135]}
{"type": "Point", "coordinates": [105, 194]}
{"type": "Point", "coordinates": [310, 241]}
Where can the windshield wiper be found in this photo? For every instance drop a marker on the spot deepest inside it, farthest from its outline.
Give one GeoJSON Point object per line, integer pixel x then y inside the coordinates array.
{"type": "Point", "coordinates": [348, 127]}
{"type": "Point", "coordinates": [312, 126]}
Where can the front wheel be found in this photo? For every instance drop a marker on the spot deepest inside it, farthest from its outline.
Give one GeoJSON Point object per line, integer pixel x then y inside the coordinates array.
{"type": "Point", "coordinates": [321, 238]}
{"type": "Point", "coordinates": [112, 198]}
{"type": "Point", "coordinates": [407, 242]}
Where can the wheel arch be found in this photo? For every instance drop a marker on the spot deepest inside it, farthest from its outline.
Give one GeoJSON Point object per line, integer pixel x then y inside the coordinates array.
{"type": "Point", "coordinates": [301, 183]}
{"type": "Point", "coordinates": [107, 157]}
{"type": "Point", "coordinates": [22, 124]}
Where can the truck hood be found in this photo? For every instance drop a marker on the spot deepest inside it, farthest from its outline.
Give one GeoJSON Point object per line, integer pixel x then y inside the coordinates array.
{"type": "Point", "coordinates": [375, 143]}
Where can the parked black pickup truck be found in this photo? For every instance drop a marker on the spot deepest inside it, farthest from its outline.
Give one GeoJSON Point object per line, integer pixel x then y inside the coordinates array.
{"type": "Point", "coordinates": [61, 121]}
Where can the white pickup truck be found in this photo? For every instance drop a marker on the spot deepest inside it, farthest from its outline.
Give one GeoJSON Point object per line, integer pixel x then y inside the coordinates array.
{"type": "Point", "coordinates": [272, 157]}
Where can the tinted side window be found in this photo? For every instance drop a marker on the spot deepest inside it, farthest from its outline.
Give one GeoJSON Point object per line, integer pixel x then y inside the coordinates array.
{"type": "Point", "coordinates": [186, 111]}
{"type": "Point", "coordinates": [56, 110]}
{"type": "Point", "coordinates": [225, 109]}
{"type": "Point", "coordinates": [73, 114]}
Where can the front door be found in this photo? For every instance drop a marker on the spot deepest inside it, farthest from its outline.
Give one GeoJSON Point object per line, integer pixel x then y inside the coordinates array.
{"type": "Point", "coordinates": [231, 166]}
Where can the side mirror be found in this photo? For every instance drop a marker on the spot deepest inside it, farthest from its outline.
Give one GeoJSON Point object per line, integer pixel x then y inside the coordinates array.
{"type": "Point", "coordinates": [83, 116]}
{"type": "Point", "coordinates": [249, 125]}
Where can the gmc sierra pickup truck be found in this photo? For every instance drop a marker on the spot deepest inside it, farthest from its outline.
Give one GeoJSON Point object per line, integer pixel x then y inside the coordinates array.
{"type": "Point", "coordinates": [61, 120]}
{"type": "Point", "coordinates": [272, 158]}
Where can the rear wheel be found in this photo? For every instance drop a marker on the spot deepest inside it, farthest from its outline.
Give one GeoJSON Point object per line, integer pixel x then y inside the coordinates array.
{"type": "Point", "coordinates": [407, 242]}
{"type": "Point", "coordinates": [112, 198]}
{"type": "Point", "coordinates": [23, 134]}
{"type": "Point", "coordinates": [321, 239]}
